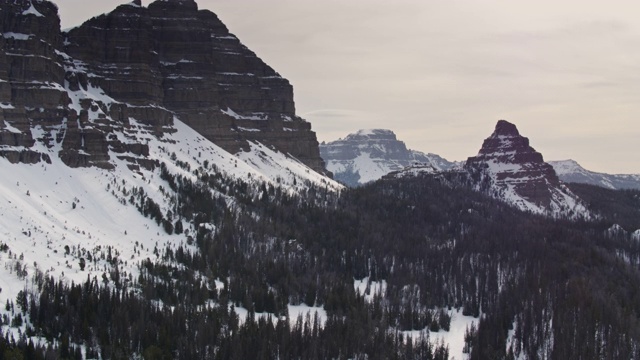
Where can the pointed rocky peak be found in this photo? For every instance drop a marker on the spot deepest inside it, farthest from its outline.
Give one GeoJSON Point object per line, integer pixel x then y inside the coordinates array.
{"type": "Point", "coordinates": [507, 167]}
{"type": "Point", "coordinates": [507, 145]}
{"type": "Point", "coordinates": [505, 128]}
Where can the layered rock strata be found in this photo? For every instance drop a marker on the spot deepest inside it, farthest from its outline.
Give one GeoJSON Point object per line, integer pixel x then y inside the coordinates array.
{"type": "Point", "coordinates": [507, 167]}
{"type": "Point", "coordinates": [138, 66]}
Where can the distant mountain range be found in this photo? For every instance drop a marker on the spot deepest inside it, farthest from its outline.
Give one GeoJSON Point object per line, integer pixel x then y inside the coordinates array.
{"type": "Point", "coordinates": [161, 199]}
{"type": "Point", "coordinates": [368, 155]}
{"type": "Point", "coordinates": [571, 171]}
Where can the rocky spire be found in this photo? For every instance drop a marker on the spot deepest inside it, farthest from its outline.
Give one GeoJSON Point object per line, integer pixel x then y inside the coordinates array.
{"type": "Point", "coordinates": [507, 167]}
{"type": "Point", "coordinates": [506, 145]}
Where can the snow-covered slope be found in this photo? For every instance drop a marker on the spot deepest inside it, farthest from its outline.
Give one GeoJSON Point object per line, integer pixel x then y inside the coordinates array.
{"type": "Point", "coordinates": [53, 217]}
{"type": "Point", "coordinates": [84, 157]}
{"type": "Point", "coordinates": [368, 155]}
{"type": "Point", "coordinates": [507, 168]}
{"type": "Point", "coordinates": [571, 171]}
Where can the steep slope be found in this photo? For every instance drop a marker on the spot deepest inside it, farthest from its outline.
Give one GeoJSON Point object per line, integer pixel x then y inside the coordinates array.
{"type": "Point", "coordinates": [89, 142]}
{"type": "Point", "coordinates": [571, 171]}
{"type": "Point", "coordinates": [508, 168]}
{"type": "Point", "coordinates": [153, 64]}
{"type": "Point", "coordinates": [31, 77]}
{"type": "Point", "coordinates": [367, 155]}
{"type": "Point", "coordinates": [185, 60]}
{"type": "Point", "coordinates": [53, 218]}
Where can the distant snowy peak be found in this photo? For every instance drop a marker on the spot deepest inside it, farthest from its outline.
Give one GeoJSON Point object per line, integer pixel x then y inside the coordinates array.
{"type": "Point", "coordinates": [508, 168]}
{"type": "Point", "coordinates": [571, 171]}
{"type": "Point", "coordinates": [368, 155]}
{"type": "Point", "coordinates": [371, 134]}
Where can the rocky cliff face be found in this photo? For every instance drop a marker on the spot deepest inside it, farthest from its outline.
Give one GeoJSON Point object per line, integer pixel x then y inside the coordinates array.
{"type": "Point", "coordinates": [368, 155]}
{"type": "Point", "coordinates": [141, 66]}
{"type": "Point", "coordinates": [31, 74]}
{"type": "Point", "coordinates": [571, 171]}
{"type": "Point", "coordinates": [507, 167]}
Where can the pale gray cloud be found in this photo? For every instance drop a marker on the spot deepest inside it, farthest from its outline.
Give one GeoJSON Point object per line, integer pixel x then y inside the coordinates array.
{"type": "Point", "coordinates": [440, 73]}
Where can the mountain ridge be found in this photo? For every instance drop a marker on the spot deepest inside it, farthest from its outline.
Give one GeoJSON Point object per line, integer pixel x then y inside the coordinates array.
{"type": "Point", "coordinates": [571, 171]}
{"type": "Point", "coordinates": [369, 154]}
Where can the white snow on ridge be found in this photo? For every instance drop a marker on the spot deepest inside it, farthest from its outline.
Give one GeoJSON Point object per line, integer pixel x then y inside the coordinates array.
{"type": "Point", "coordinates": [283, 170]}
{"type": "Point", "coordinates": [563, 201]}
{"type": "Point", "coordinates": [370, 169]}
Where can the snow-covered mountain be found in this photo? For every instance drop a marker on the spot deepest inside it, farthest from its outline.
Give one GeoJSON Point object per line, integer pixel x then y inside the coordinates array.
{"type": "Point", "coordinates": [94, 121]}
{"type": "Point", "coordinates": [508, 168]}
{"type": "Point", "coordinates": [151, 64]}
{"type": "Point", "coordinates": [368, 155]}
{"type": "Point", "coordinates": [54, 217]}
{"type": "Point", "coordinates": [571, 171]}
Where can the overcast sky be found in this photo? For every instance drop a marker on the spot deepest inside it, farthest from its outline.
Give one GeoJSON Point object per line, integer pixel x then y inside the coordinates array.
{"type": "Point", "coordinates": [440, 73]}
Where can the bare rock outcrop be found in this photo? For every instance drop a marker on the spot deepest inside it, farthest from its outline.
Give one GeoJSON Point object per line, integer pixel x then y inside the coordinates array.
{"type": "Point", "coordinates": [508, 168]}
{"type": "Point", "coordinates": [138, 65]}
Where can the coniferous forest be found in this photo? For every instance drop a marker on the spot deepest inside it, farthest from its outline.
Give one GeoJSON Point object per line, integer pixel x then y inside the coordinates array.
{"type": "Point", "coordinates": [540, 288]}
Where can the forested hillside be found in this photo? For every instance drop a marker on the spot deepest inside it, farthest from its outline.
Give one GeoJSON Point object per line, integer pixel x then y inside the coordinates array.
{"type": "Point", "coordinates": [539, 288]}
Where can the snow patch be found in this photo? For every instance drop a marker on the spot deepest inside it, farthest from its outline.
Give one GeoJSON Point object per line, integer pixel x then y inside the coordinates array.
{"type": "Point", "coordinates": [16, 36]}
{"type": "Point", "coordinates": [369, 289]}
{"type": "Point", "coordinates": [302, 311]}
{"type": "Point", "coordinates": [10, 128]}
{"type": "Point", "coordinates": [454, 338]}
{"type": "Point", "coordinates": [32, 11]}
{"type": "Point", "coordinates": [253, 116]}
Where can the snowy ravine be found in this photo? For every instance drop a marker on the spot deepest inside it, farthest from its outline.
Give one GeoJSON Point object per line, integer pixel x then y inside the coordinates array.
{"type": "Point", "coordinates": [53, 217]}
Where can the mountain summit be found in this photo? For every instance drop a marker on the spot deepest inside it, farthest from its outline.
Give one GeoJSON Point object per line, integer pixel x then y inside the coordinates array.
{"type": "Point", "coordinates": [507, 167]}
{"type": "Point", "coordinates": [367, 155]}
